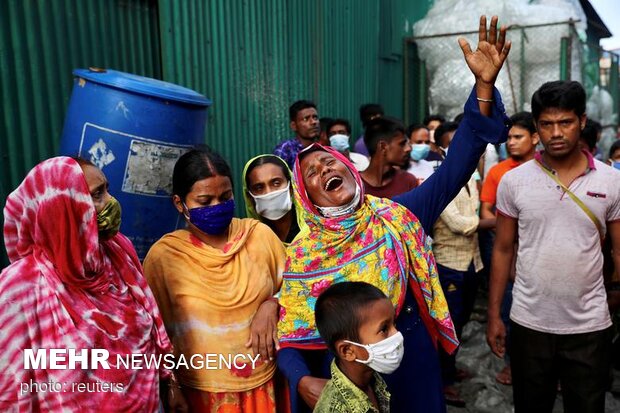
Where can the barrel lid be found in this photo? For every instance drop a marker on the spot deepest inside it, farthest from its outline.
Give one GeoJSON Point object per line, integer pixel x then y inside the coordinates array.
{"type": "Point", "coordinates": [143, 85]}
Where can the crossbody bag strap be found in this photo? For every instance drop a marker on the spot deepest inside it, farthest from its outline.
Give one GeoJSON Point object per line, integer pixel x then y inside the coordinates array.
{"type": "Point", "coordinates": [576, 199]}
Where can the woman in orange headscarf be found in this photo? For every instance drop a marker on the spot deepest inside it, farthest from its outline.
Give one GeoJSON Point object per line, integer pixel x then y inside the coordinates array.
{"type": "Point", "coordinates": [214, 283]}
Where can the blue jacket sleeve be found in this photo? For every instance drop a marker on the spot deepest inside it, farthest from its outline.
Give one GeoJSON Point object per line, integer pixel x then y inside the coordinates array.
{"type": "Point", "coordinates": [475, 131]}
{"type": "Point", "coordinates": [293, 366]}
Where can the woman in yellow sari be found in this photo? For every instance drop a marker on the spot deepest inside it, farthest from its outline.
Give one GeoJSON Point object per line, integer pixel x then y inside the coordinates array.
{"type": "Point", "coordinates": [214, 283]}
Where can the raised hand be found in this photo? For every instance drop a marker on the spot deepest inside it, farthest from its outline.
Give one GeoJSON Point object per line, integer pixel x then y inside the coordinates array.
{"type": "Point", "coordinates": [488, 58]}
{"type": "Point", "coordinates": [486, 62]}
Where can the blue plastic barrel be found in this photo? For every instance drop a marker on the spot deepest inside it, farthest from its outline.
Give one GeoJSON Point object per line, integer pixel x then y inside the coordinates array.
{"type": "Point", "coordinates": [135, 128]}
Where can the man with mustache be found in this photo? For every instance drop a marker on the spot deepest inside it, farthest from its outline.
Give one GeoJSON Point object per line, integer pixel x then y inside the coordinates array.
{"type": "Point", "coordinates": [305, 123]}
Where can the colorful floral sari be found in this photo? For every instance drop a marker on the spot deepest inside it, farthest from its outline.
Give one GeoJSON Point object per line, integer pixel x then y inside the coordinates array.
{"type": "Point", "coordinates": [381, 243]}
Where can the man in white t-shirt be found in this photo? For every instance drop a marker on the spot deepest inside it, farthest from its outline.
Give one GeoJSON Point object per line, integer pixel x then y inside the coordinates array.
{"type": "Point", "coordinates": [560, 319]}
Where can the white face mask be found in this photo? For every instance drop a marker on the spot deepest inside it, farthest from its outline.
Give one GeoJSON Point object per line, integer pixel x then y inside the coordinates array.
{"type": "Point", "coordinates": [335, 212]}
{"type": "Point", "coordinates": [273, 205]}
{"type": "Point", "coordinates": [384, 356]}
{"type": "Point", "coordinates": [339, 142]}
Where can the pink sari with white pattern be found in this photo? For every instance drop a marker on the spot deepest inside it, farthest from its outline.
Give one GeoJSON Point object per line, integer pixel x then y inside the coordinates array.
{"type": "Point", "coordinates": [67, 289]}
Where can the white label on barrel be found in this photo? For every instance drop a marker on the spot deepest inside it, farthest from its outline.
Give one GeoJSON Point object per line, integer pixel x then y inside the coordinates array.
{"type": "Point", "coordinates": [150, 167]}
{"type": "Point", "coordinates": [100, 155]}
{"type": "Point", "coordinates": [149, 163]}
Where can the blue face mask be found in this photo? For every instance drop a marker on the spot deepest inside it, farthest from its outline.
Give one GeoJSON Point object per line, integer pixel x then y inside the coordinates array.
{"type": "Point", "coordinates": [339, 142]}
{"type": "Point", "coordinates": [503, 152]}
{"type": "Point", "coordinates": [615, 164]}
{"type": "Point", "coordinates": [419, 151]}
{"type": "Point", "coordinates": [212, 219]}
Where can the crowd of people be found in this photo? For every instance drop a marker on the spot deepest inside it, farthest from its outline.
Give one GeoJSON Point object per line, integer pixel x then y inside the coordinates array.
{"type": "Point", "coordinates": [350, 280]}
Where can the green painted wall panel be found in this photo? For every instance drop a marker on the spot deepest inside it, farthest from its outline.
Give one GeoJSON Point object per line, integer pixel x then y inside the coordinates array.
{"type": "Point", "coordinates": [254, 58]}
{"type": "Point", "coordinates": [41, 42]}
{"type": "Point", "coordinates": [397, 19]}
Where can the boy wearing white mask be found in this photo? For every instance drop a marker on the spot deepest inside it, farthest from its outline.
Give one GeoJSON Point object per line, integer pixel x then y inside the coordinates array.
{"type": "Point", "coordinates": [356, 320]}
{"type": "Point", "coordinates": [420, 140]}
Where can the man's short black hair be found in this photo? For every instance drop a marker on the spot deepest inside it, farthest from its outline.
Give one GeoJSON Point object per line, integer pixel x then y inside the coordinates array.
{"type": "Point", "coordinates": [370, 110]}
{"type": "Point", "coordinates": [298, 106]}
{"type": "Point", "coordinates": [340, 121]}
{"type": "Point", "coordinates": [381, 129]}
{"type": "Point", "coordinates": [524, 120]}
{"type": "Point", "coordinates": [590, 133]}
{"type": "Point", "coordinates": [338, 310]}
{"type": "Point", "coordinates": [428, 119]}
{"type": "Point", "coordinates": [560, 94]}
{"type": "Point", "coordinates": [414, 127]}
{"type": "Point", "coordinates": [443, 129]}
{"type": "Point", "coordinates": [324, 124]}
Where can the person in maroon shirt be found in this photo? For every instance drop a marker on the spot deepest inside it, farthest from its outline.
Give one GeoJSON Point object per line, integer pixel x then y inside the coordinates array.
{"type": "Point", "coordinates": [389, 150]}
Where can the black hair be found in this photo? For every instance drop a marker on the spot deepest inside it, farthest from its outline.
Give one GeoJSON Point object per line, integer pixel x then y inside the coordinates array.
{"type": "Point", "coordinates": [195, 165]}
{"type": "Point", "coordinates": [590, 133]}
{"type": "Point", "coordinates": [272, 159]}
{"type": "Point", "coordinates": [458, 118]}
{"type": "Point", "coordinates": [524, 120]}
{"type": "Point", "coordinates": [340, 121]}
{"type": "Point", "coordinates": [414, 127]}
{"type": "Point", "coordinates": [381, 129]}
{"type": "Point", "coordinates": [298, 106]}
{"type": "Point", "coordinates": [614, 147]}
{"type": "Point", "coordinates": [338, 310]}
{"type": "Point", "coordinates": [370, 110]}
{"type": "Point", "coordinates": [443, 129]}
{"type": "Point", "coordinates": [560, 94]}
{"type": "Point", "coordinates": [428, 119]}
{"type": "Point", "coordinates": [324, 124]}
{"type": "Point", "coordinates": [83, 161]}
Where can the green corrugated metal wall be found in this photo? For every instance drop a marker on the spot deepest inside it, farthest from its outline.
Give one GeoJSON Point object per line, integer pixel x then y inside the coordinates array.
{"type": "Point", "coordinates": [41, 42]}
{"type": "Point", "coordinates": [253, 58]}
{"type": "Point", "coordinates": [397, 19]}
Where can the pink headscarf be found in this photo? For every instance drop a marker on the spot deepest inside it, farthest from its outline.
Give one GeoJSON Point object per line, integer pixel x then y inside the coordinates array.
{"type": "Point", "coordinates": [379, 242]}
{"type": "Point", "coordinates": [67, 289]}
{"type": "Point", "coordinates": [299, 179]}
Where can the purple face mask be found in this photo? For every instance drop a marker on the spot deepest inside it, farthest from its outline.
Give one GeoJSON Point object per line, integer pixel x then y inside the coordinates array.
{"type": "Point", "coordinates": [212, 219]}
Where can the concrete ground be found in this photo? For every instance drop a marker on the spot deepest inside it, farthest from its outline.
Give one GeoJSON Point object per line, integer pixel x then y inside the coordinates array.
{"type": "Point", "coordinates": [481, 392]}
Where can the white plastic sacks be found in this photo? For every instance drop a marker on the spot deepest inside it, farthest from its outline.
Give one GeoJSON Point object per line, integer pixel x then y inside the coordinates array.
{"type": "Point", "coordinates": [450, 79]}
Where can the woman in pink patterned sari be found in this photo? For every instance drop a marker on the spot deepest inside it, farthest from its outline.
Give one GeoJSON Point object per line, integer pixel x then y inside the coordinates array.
{"type": "Point", "coordinates": [74, 283]}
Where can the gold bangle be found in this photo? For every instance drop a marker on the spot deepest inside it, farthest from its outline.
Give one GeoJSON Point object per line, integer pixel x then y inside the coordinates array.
{"type": "Point", "coordinates": [484, 100]}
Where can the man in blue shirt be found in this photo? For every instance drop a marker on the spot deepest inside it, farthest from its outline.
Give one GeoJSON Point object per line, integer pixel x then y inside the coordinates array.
{"type": "Point", "coordinates": [305, 123]}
